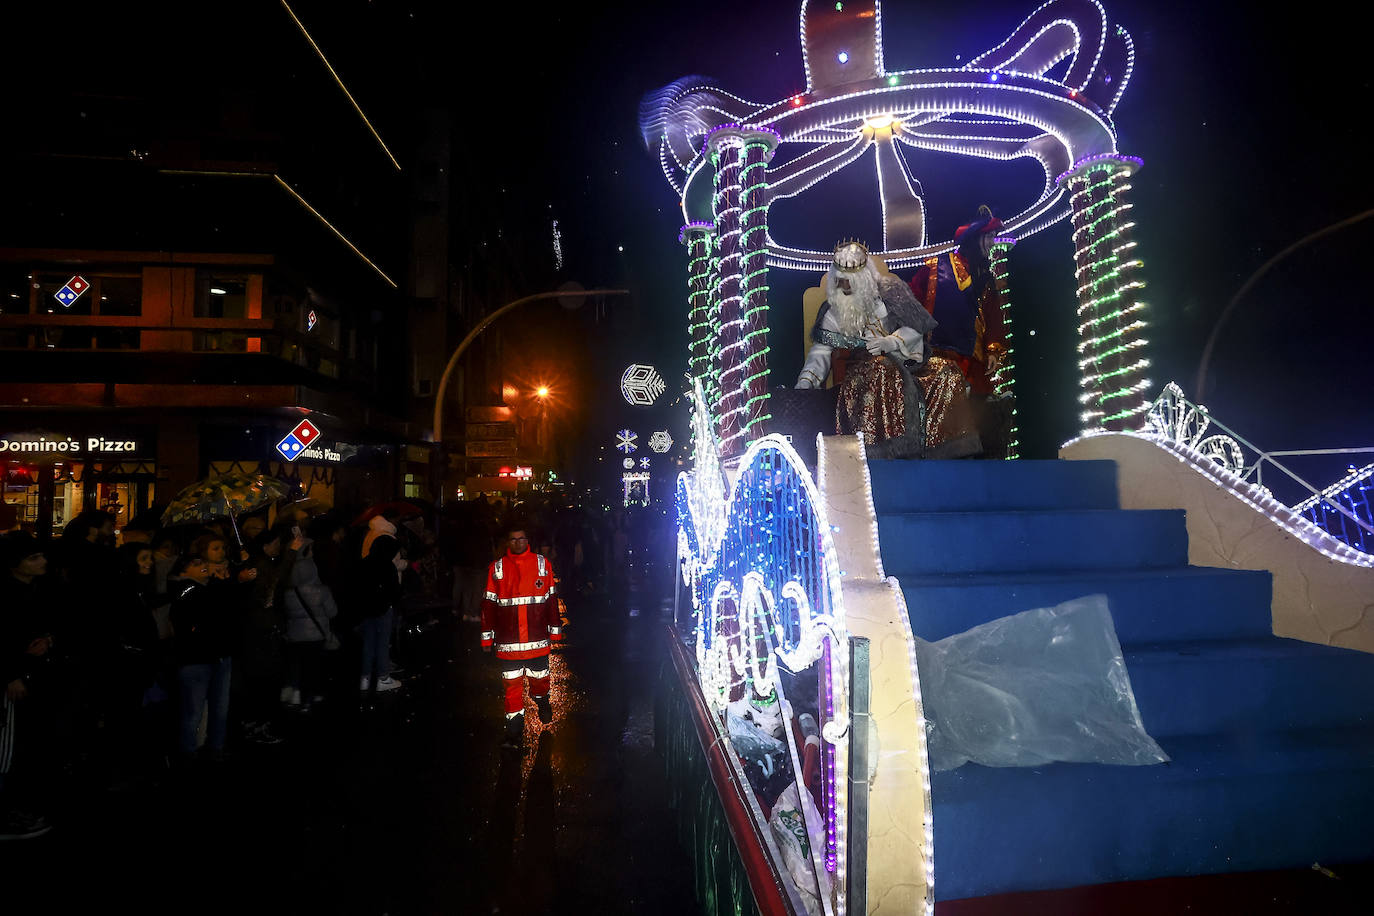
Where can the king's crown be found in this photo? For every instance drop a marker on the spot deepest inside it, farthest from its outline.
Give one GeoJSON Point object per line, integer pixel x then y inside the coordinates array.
{"type": "Point", "coordinates": [851, 255]}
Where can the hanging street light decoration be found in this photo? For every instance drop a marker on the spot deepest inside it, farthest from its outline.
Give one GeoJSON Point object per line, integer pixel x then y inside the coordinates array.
{"type": "Point", "coordinates": [626, 441]}
{"type": "Point", "coordinates": [661, 441]}
{"type": "Point", "coordinates": [641, 385]}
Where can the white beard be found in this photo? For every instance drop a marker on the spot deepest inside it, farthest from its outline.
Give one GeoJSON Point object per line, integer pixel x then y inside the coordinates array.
{"type": "Point", "coordinates": [856, 310]}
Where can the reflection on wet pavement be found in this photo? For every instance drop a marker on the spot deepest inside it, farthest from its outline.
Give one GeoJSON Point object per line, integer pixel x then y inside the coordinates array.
{"type": "Point", "coordinates": [411, 807]}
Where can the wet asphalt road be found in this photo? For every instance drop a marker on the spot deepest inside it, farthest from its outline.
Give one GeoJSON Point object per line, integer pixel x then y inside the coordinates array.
{"type": "Point", "coordinates": [407, 807]}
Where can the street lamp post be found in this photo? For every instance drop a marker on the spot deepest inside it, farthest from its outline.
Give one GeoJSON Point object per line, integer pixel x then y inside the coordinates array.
{"type": "Point", "coordinates": [467, 341]}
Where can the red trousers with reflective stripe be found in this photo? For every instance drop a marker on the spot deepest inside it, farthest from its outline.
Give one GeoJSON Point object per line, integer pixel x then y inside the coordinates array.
{"type": "Point", "coordinates": [515, 671]}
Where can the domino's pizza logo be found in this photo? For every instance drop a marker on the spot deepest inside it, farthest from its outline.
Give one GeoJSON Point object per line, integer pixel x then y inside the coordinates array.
{"type": "Point", "coordinates": [298, 440]}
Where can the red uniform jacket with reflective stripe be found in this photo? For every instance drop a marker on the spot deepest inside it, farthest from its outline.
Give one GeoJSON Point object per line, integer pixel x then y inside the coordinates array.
{"type": "Point", "coordinates": [519, 612]}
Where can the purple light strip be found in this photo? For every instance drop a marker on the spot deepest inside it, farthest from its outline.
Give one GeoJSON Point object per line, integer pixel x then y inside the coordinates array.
{"type": "Point", "coordinates": [694, 226]}
{"type": "Point", "coordinates": [736, 128]}
{"type": "Point", "coordinates": [831, 800]}
{"type": "Point", "coordinates": [1134, 161]}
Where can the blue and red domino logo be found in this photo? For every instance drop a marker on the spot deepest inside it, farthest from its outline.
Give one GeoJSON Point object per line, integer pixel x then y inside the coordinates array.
{"type": "Point", "coordinates": [72, 291]}
{"type": "Point", "coordinates": [298, 440]}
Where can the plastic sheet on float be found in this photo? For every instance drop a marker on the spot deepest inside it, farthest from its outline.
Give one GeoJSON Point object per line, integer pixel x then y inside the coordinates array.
{"type": "Point", "coordinates": [1033, 688]}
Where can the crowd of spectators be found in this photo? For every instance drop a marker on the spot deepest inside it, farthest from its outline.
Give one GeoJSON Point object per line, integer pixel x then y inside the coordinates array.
{"type": "Point", "coordinates": [134, 665]}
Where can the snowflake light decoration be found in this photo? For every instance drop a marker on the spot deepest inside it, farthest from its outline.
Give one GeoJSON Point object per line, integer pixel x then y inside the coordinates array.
{"type": "Point", "coordinates": [661, 441]}
{"type": "Point", "coordinates": [628, 464]}
{"type": "Point", "coordinates": [625, 441]}
{"type": "Point", "coordinates": [641, 385]}
{"type": "Point", "coordinates": [644, 463]}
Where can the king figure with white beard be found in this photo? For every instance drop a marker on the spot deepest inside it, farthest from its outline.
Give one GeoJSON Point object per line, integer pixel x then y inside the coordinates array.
{"type": "Point", "coordinates": [872, 334]}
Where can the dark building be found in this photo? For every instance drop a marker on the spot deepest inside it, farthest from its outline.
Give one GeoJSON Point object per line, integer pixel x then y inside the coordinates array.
{"type": "Point", "coordinates": [241, 249]}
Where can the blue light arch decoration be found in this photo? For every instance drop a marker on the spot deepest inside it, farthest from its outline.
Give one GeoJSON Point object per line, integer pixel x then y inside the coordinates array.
{"type": "Point", "coordinates": [760, 561]}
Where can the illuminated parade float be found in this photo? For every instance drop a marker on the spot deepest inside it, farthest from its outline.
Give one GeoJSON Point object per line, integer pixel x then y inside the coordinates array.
{"type": "Point", "coordinates": [812, 772]}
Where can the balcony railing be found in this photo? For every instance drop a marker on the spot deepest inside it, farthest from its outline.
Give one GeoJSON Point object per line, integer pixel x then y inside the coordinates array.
{"type": "Point", "coordinates": [1174, 417]}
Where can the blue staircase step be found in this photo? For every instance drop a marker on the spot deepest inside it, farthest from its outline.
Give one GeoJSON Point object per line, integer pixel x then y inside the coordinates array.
{"type": "Point", "coordinates": [1226, 803]}
{"type": "Point", "coordinates": [1040, 540]}
{"type": "Point", "coordinates": [1248, 686]}
{"type": "Point", "coordinates": [1153, 605]}
{"type": "Point", "coordinates": [944, 486]}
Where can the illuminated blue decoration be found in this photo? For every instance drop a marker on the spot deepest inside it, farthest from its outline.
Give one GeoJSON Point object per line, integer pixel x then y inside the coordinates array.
{"type": "Point", "coordinates": [1351, 494]}
{"type": "Point", "coordinates": [760, 560]}
{"type": "Point", "coordinates": [626, 441]}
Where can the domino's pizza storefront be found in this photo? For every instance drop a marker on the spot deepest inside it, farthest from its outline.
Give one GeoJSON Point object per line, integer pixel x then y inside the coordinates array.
{"type": "Point", "coordinates": [55, 470]}
{"type": "Point", "coordinates": [52, 473]}
{"type": "Point", "coordinates": [337, 467]}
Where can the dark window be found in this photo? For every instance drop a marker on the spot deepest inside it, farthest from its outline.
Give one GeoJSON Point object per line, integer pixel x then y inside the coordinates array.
{"type": "Point", "coordinates": [14, 291]}
{"type": "Point", "coordinates": [119, 295]}
{"type": "Point", "coordinates": [226, 297]}
{"type": "Point", "coordinates": [221, 297]}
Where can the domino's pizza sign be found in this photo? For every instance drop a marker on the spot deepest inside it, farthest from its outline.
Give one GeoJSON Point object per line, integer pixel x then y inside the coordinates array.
{"type": "Point", "coordinates": [298, 440]}
{"type": "Point", "coordinates": [72, 291]}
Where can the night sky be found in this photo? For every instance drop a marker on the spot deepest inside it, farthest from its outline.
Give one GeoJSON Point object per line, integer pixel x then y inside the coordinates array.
{"type": "Point", "coordinates": [1248, 123]}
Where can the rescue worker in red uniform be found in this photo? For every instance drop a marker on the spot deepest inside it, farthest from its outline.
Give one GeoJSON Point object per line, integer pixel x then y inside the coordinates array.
{"type": "Point", "coordinates": [520, 620]}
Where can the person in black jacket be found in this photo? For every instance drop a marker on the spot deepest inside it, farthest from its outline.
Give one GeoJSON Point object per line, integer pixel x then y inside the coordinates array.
{"type": "Point", "coordinates": [27, 713]}
{"type": "Point", "coordinates": [379, 591]}
{"type": "Point", "coordinates": [205, 625]}
{"type": "Point", "coordinates": [129, 656]}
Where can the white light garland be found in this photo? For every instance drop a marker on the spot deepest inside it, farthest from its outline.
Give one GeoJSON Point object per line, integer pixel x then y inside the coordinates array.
{"type": "Point", "coordinates": [1349, 480]}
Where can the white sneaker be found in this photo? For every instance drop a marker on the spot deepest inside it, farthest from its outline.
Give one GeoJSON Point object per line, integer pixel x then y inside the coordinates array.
{"type": "Point", "coordinates": [387, 683]}
{"type": "Point", "coordinates": [365, 683]}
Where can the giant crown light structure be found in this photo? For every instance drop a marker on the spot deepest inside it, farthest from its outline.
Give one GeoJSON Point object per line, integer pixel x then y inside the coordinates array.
{"type": "Point", "coordinates": [1047, 93]}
